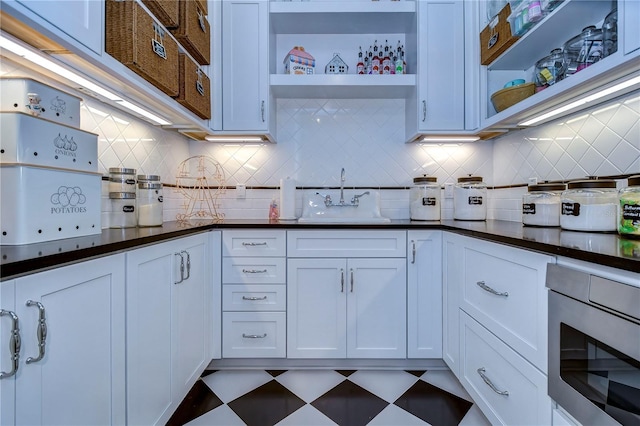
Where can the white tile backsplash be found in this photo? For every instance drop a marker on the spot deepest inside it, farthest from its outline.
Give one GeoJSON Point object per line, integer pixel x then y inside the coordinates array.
{"type": "Point", "coordinates": [318, 137]}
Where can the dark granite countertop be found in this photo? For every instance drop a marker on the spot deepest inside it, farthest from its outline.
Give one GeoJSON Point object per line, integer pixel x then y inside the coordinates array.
{"type": "Point", "coordinates": [600, 248]}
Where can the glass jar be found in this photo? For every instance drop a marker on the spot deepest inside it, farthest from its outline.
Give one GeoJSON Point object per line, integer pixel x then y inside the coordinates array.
{"type": "Point", "coordinates": [629, 223]}
{"type": "Point", "coordinates": [550, 69]}
{"type": "Point", "coordinates": [122, 180]}
{"type": "Point", "coordinates": [541, 204]}
{"type": "Point", "coordinates": [149, 202]}
{"type": "Point", "coordinates": [148, 178]}
{"type": "Point", "coordinates": [610, 33]}
{"type": "Point", "coordinates": [470, 199]}
{"type": "Point", "coordinates": [590, 205]}
{"type": "Point", "coordinates": [584, 49]}
{"type": "Point", "coordinates": [425, 198]}
{"type": "Point", "coordinates": [123, 210]}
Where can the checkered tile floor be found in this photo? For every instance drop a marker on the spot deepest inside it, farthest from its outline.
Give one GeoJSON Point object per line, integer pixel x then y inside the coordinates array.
{"type": "Point", "coordinates": [327, 397]}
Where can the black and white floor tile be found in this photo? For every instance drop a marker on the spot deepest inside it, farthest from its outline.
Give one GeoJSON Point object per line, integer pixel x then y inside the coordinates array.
{"type": "Point", "coordinates": [327, 397]}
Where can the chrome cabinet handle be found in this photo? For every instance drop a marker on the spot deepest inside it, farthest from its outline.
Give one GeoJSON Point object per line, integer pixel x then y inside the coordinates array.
{"type": "Point", "coordinates": [351, 280]}
{"type": "Point", "coordinates": [424, 110]}
{"type": "Point", "coordinates": [493, 387]}
{"type": "Point", "coordinates": [254, 244]}
{"type": "Point", "coordinates": [254, 298]}
{"type": "Point", "coordinates": [485, 287]}
{"type": "Point", "coordinates": [262, 110]}
{"type": "Point", "coordinates": [188, 264]}
{"type": "Point", "coordinates": [341, 280]}
{"type": "Point", "coordinates": [413, 251]}
{"type": "Point", "coordinates": [14, 343]}
{"type": "Point", "coordinates": [41, 331]}
{"type": "Point", "coordinates": [181, 268]}
{"type": "Point", "coordinates": [254, 336]}
{"type": "Point", "coordinates": [254, 271]}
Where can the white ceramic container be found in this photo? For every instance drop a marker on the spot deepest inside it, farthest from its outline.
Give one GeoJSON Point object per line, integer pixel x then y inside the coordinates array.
{"type": "Point", "coordinates": [27, 139]}
{"type": "Point", "coordinates": [42, 204]}
{"type": "Point", "coordinates": [38, 99]}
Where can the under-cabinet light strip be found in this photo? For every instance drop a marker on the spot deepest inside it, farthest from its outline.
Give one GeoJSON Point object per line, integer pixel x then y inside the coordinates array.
{"type": "Point", "coordinates": [50, 65]}
{"type": "Point", "coordinates": [450, 139]}
{"type": "Point", "coordinates": [234, 139]}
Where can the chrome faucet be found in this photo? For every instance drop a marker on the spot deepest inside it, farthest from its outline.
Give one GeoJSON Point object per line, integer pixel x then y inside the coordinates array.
{"type": "Point", "coordinates": [342, 179]}
{"type": "Point", "coordinates": [356, 198]}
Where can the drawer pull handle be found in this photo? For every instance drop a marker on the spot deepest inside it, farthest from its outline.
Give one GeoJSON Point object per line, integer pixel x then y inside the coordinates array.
{"type": "Point", "coordinates": [254, 244]}
{"type": "Point", "coordinates": [254, 336]}
{"type": "Point", "coordinates": [41, 331]}
{"type": "Point", "coordinates": [485, 287]}
{"type": "Point", "coordinates": [254, 271]}
{"type": "Point", "coordinates": [254, 298]}
{"type": "Point", "coordinates": [493, 387]}
{"type": "Point", "coordinates": [14, 344]}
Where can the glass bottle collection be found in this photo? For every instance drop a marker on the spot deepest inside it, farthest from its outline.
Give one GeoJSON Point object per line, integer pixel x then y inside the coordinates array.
{"type": "Point", "coordinates": [382, 59]}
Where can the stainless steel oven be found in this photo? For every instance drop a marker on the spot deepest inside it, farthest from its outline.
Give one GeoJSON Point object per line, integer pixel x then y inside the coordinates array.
{"type": "Point", "coordinates": [594, 346]}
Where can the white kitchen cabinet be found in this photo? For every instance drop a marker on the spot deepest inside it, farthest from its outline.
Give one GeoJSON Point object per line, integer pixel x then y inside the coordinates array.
{"type": "Point", "coordinates": [451, 287]}
{"type": "Point", "coordinates": [246, 100]}
{"type": "Point", "coordinates": [168, 324]}
{"type": "Point", "coordinates": [9, 337]}
{"type": "Point", "coordinates": [72, 358]}
{"type": "Point", "coordinates": [629, 14]}
{"type": "Point", "coordinates": [424, 294]}
{"type": "Point", "coordinates": [346, 308]}
{"type": "Point", "coordinates": [439, 105]}
{"type": "Point", "coordinates": [81, 20]}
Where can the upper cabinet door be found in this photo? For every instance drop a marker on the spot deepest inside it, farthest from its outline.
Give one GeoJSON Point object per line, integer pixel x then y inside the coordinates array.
{"type": "Point", "coordinates": [441, 82]}
{"type": "Point", "coordinates": [82, 20]}
{"type": "Point", "coordinates": [245, 75]}
{"type": "Point", "coordinates": [629, 11]}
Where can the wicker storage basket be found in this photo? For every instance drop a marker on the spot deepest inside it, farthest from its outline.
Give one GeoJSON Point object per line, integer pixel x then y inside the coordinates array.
{"type": "Point", "coordinates": [193, 31]}
{"type": "Point", "coordinates": [504, 98]}
{"type": "Point", "coordinates": [195, 88]}
{"type": "Point", "coordinates": [137, 40]}
{"type": "Point", "coordinates": [496, 39]}
{"type": "Point", "coordinates": [167, 11]}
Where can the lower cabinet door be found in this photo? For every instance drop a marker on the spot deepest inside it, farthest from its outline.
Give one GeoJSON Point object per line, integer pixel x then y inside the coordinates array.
{"type": "Point", "coordinates": [253, 335]}
{"type": "Point", "coordinates": [507, 388]}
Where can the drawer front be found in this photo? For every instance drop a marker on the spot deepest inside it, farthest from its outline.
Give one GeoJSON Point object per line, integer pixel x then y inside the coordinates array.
{"type": "Point", "coordinates": [254, 243]}
{"type": "Point", "coordinates": [526, 403]}
{"type": "Point", "coordinates": [254, 297]}
{"type": "Point", "coordinates": [504, 289]}
{"type": "Point", "coordinates": [254, 270]}
{"type": "Point", "coordinates": [328, 243]}
{"type": "Point", "coordinates": [253, 335]}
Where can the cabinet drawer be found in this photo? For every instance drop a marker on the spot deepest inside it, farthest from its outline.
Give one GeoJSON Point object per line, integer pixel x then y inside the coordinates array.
{"type": "Point", "coordinates": [254, 270]}
{"type": "Point", "coordinates": [323, 243]}
{"type": "Point", "coordinates": [504, 289]}
{"type": "Point", "coordinates": [254, 297]}
{"type": "Point", "coordinates": [253, 334]}
{"type": "Point", "coordinates": [253, 243]}
{"type": "Point", "coordinates": [527, 402]}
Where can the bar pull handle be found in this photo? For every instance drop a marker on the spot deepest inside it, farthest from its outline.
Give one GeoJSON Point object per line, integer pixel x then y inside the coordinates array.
{"type": "Point", "coordinates": [341, 280]}
{"type": "Point", "coordinates": [254, 271]}
{"type": "Point", "coordinates": [485, 287]}
{"type": "Point", "coordinates": [188, 264]}
{"type": "Point", "coordinates": [413, 251]}
{"type": "Point", "coordinates": [424, 110]}
{"type": "Point", "coordinates": [351, 280]}
{"type": "Point", "coordinates": [181, 268]}
{"type": "Point", "coordinates": [262, 110]}
{"type": "Point", "coordinates": [254, 298]}
{"type": "Point", "coordinates": [493, 387]}
{"type": "Point", "coordinates": [41, 331]}
{"type": "Point", "coordinates": [14, 343]}
{"type": "Point", "coordinates": [252, 244]}
{"type": "Point", "coordinates": [254, 336]}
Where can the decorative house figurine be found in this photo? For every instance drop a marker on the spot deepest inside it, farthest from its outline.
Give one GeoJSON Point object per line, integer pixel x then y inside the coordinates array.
{"type": "Point", "coordinates": [298, 61]}
{"type": "Point", "coordinates": [336, 66]}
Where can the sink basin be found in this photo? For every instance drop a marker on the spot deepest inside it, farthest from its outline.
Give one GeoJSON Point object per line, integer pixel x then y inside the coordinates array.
{"type": "Point", "coordinates": [314, 209]}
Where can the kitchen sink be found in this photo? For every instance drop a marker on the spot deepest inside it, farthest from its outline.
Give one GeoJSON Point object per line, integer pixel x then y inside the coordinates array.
{"type": "Point", "coordinates": [336, 206]}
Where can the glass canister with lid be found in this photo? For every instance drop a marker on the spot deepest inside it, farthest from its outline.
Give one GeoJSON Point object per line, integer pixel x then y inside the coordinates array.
{"type": "Point", "coordinates": [149, 200]}
{"type": "Point", "coordinates": [122, 180]}
{"type": "Point", "coordinates": [584, 49]}
{"type": "Point", "coordinates": [610, 33]}
{"type": "Point", "coordinates": [550, 69]}
{"type": "Point", "coordinates": [590, 205]}
{"type": "Point", "coordinates": [470, 199]}
{"type": "Point", "coordinates": [425, 198]}
{"type": "Point", "coordinates": [123, 210]}
{"type": "Point", "coordinates": [629, 223]}
{"type": "Point", "coordinates": [541, 204]}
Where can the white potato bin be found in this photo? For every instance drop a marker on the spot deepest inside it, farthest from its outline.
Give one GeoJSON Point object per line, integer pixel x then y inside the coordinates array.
{"type": "Point", "coordinates": [32, 140]}
{"type": "Point", "coordinates": [42, 204]}
{"type": "Point", "coordinates": [35, 98]}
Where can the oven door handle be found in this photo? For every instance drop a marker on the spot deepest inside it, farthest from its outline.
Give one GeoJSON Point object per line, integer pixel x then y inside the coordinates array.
{"type": "Point", "coordinates": [493, 387]}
